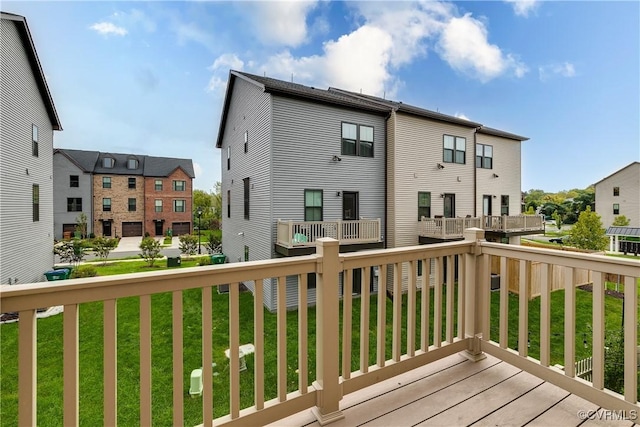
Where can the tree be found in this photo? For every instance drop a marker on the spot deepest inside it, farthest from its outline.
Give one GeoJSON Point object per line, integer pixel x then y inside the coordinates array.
{"type": "Point", "coordinates": [71, 252]}
{"type": "Point", "coordinates": [188, 244]}
{"type": "Point", "coordinates": [81, 224]}
{"type": "Point", "coordinates": [217, 204]}
{"type": "Point", "coordinates": [103, 246]}
{"type": "Point", "coordinates": [557, 218]}
{"type": "Point", "coordinates": [588, 233]}
{"type": "Point", "coordinates": [214, 245]}
{"type": "Point", "coordinates": [621, 221]}
{"type": "Point", "coordinates": [150, 250]}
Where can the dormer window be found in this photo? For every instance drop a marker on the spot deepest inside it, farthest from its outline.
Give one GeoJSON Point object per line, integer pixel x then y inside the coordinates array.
{"type": "Point", "coordinates": [108, 162]}
{"type": "Point", "coordinates": [132, 164]}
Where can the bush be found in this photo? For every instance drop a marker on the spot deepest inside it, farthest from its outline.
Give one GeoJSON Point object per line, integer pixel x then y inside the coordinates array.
{"type": "Point", "coordinates": [146, 234]}
{"type": "Point", "coordinates": [150, 250]}
{"type": "Point", "coordinates": [70, 251]}
{"type": "Point", "coordinates": [167, 240]}
{"type": "Point", "coordinates": [84, 271]}
{"type": "Point", "coordinates": [188, 244]}
{"type": "Point", "coordinates": [103, 246]}
{"type": "Point", "coordinates": [204, 261]}
{"type": "Point", "coordinates": [214, 245]}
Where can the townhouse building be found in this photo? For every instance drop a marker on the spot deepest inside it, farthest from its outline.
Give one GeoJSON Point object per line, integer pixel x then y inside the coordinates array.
{"type": "Point", "coordinates": [28, 120]}
{"type": "Point", "coordinates": [619, 194]}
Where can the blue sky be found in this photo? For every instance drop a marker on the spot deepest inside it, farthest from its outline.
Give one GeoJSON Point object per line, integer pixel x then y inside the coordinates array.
{"type": "Point", "coordinates": [149, 77]}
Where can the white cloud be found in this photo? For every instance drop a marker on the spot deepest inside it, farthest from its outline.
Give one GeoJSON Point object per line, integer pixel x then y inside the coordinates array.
{"type": "Point", "coordinates": [107, 28]}
{"type": "Point", "coordinates": [523, 7]}
{"type": "Point", "coordinates": [220, 68]}
{"type": "Point", "coordinates": [197, 169]}
{"type": "Point", "coordinates": [565, 69]}
{"type": "Point", "coordinates": [465, 46]}
{"type": "Point", "coordinates": [461, 116]}
{"type": "Point", "coordinates": [281, 23]}
{"type": "Point", "coordinates": [191, 32]}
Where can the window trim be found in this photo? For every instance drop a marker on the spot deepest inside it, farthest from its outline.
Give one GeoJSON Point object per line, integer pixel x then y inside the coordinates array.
{"type": "Point", "coordinates": [155, 184]}
{"type": "Point", "coordinates": [482, 159]}
{"type": "Point", "coordinates": [135, 183]}
{"type": "Point", "coordinates": [106, 180]}
{"type": "Point", "coordinates": [321, 207]}
{"type": "Point", "coordinates": [247, 187]}
{"type": "Point", "coordinates": [175, 206]}
{"type": "Point", "coordinates": [106, 207]}
{"type": "Point", "coordinates": [35, 202]}
{"type": "Point", "coordinates": [504, 208]}
{"type": "Point", "coordinates": [246, 141]}
{"type": "Point", "coordinates": [135, 165]}
{"type": "Point", "coordinates": [358, 142]}
{"type": "Point", "coordinates": [616, 191]}
{"type": "Point", "coordinates": [454, 151]}
{"type": "Point", "coordinates": [34, 140]}
{"type": "Point", "coordinates": [74, 179]}
{"type": "Point", "coordinates": [424, 207]}
{"type": "Point", "coordinates": [130, 205]}
{"type": "Point", "coordinates": [158, 205]}
{"type": "Point", "coordinates": [110, 160]}
{"type": "Point", "coordinates": [183, 186]}
{"type": "Point", "coordinates": [73, 202]}
{"type": "Point", "coordinates": [616, 208]}
{"type": "Point", "coordinates": [229, 157]}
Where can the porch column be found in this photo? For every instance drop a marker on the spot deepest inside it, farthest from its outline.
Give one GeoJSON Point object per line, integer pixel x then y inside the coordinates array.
{"type": "Point", "coordinates": [329, 389]}
{"type": "Point", "coordinates": [474, 294]}
{"type": "Point", "coordinates": [611, 243]}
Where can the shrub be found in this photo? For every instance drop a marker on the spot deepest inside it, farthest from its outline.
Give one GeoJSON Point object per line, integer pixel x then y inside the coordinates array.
{"type": "Point", "coordinates": [103, 246]}
{"type": "Point", "coordinates": [146, 234]}
{"type": "Point", "coordinates": [72, 251]}
{"type": "Point", "coordinates": [150, 250]}
{"type": "Point", "coordinates": [188, 244]}
{"type": "Point", "coordinates": [204, 260]}
{"type": "Point", "coordinates": [84, 271]}
{"type": "Point", "coordinates": [214, 245]}
{"type": "Point", "coordinates": [167, 240]}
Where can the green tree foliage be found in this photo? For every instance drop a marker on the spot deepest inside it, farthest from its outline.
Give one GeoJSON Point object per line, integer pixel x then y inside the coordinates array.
{"type": "Point", "coordinates": [211, 207]}
{"type": "Point", "coordinates": [557, 217]}
{"type": "Point", "coordinates": [588, 233]}
{"type": "Point", "coordinates": [81, 224]}
{"type": "Point", "coordinates": [214, 245]}
{"type": "Point", "coordinates": [217, 204]}
{"type": "Point", "coordinates": [150, 250]}
{"type": "Point", "coordinates": [530, 211]}
{"type": "Point", "coordinates": [621, 221]}
{"type": "Point", "coordinates": [614, 361]}
{"type": "Point", "coordinates": [103, 246]}
{"type": "Point", "coordinates": [71, 251]}
{"type": "Point", "coordinates": [188, 244]}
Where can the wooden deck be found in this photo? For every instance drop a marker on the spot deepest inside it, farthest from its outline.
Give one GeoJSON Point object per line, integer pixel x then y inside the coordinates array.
{"type": "Point", "coordinates": [457, 392]}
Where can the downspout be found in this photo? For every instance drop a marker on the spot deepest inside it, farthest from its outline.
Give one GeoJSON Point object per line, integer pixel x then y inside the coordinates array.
{"type": "Point", "coordinates": [475, 174]}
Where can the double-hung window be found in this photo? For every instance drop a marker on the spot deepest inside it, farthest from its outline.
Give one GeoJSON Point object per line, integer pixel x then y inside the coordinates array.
{"type": "Point", "coordinates": [34, 140]}
{"type": "Point", "coordinates": [454, 149]}
{"type": "Point", "coordinates": [313, 205]}
{"type": "Point", "coordinates": [357, 140]}
{"type": "Point", "coordinates": [74, 181]}
{"type": "Point", "coordinates": [179, 185]}
{"type": "Point", "coordinates": [158, 185]}
{"type": "Point", "coordinates": [132, 183]}
{"type": "Point", "coordinates": [424, 204]}
{"type": "Point", "coordinates": [158, 205]}
{"type": "Point", "coordinates": [178, 205]}
{"type": "Point", "coordinates": [616, 191]}
{"type": "Point", "coordinates": [35, 202]}
{"type": "Point", "coordinates": [132, 204]}
{"type": "Point", "coordinates": [504, 205]}
{"type": "Point", "coordinates": [484, 156]}
{"type": "Point", "coordinates": [106, 204]}
{"type": "Point", "coordinates": [106, 182]}
{"type": "Point", "coordinates": [616, 208]}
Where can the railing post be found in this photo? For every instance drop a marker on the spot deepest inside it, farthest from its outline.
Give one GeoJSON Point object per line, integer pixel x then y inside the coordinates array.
{"type": "Point", "coordinates": [329, 389]}
{"type": "Point", "coordinates": [472, 295]}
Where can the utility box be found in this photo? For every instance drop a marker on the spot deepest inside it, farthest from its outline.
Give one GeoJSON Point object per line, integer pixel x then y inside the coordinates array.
{"type": "Point", "coordinates": [60, 274]}
{"type": "Point", "coordinates": [495, 282]}
{"type": "Point", "coordinates": [196, 383]}
{"type": "Point", "coordinates": [218, 258]}
{"type": "Point", "coordinates": [173, 261]}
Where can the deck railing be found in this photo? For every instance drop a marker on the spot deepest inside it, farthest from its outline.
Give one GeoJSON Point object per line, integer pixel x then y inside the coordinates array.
{"type": "Point", "coordinates": [305, 233]}
{"type": "Point", "coordinates": [452, 228]}
{"type": "Point", "coordinates": [453, 316]}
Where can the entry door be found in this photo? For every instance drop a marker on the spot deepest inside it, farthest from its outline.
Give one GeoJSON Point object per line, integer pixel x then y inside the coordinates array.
{"type": "Point", "coordinates": [486, 205]}
{"type": "Point", "coordinates": [159, 231]}
{"type": "Point", "coordinates": [449, 205]}
{"type": "Point", "coordinates": [106, 228]}
{"type": "Point", "coordinates": [350, 205]}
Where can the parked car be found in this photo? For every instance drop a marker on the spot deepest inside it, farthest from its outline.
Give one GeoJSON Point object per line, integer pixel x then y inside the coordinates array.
{"type": "Point", "coordinates": [559, 240]}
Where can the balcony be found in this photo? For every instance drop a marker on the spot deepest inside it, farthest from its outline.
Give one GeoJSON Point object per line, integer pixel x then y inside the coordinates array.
{"type": "Point", "coordinates": [299, 237]}
{"type": "Point", "coordinates": [442, 229]}
{"type": "Point", "coordinates": [351, 359]}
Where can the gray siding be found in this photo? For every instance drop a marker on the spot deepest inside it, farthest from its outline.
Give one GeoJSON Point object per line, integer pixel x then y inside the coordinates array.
{"type": "Point", "coordinates": [63, 168]}
{"type": "Point", "coordinates": [249, 110]}
{"type": "Point", "coordinates": [25, 245]}
{"type": "Point", "coordinates": [305, 138]}
{"type": "Point", "coordinates": [628, 180]}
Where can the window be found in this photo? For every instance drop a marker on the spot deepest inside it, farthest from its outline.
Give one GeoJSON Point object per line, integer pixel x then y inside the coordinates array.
{"type": "Point", "coordinates": [313, 205]}
{"type": "Point", "coordinates": [158, 185]}
{"type": "Point", "coordinates": [357, 140]}
{"type": "Point", "coordinates": [228, 158]}
{"type": "Point", "coordinates": [424, 204]}
{"type": "Point", "coordinates": [35, 199]}
{"type": "Point", "coordinates": [246, 253]}
{"type": "Point", "coordinates": [108, 162]}
{"type": "Point", "coordinates": [132, 204]}
{"type": "Point", "coordinates": [106, 205]}
{"type": "Point", "coordinates": [178, 205]}
{"type": "Point", "coordinates": [228, 203]}
{"type": "Point", "coordinates": [34, 140]}
{"type": "Point", "coordinates": [454, 149]}
{"type": "Point", "coordinates": [504, 205]}
{"type": "Point", "coordinates": [74, 204]}
{"type": "Point", "coordinates": [246, 198]}
{"type": "Point", "coordinates": [616, 191]}
{"type": "Point", "coordinates": [616, 208]}
{"type": "Point", "coordinates": [132, 183]}
{"type": "Point", "coordinates": [484, 156]}
{"type": "Point", "coordinates": [179, 185]}
{"type": "Point", "coordinates": [246, 141]}
{"type": "Point", "coordinates": [132, 164]}
{"type": "Point", "coordinates": [158, 205]}
{"type": "Point", "coordinates": [106, 182]}
{"type": "Point", "coordinates": [74, 181]}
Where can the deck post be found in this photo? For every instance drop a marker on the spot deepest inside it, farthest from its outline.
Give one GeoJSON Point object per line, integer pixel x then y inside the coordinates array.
{"type": "Point", "coordinates": [329, 389]}
{"type": "Point", "coordinates": [473, 312]}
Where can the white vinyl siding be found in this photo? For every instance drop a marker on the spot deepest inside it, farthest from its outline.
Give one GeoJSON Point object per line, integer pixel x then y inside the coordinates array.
{"type": "Point", "coordinates": [627, 180]}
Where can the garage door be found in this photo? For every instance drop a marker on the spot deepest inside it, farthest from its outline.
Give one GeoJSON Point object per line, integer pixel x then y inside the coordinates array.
{"type": "Point", "coordinates": [131, 229]}
{"type": "Point", "coordinates": [180, 228]}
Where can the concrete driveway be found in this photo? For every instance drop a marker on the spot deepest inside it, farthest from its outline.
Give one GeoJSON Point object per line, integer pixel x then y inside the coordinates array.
{"type": "Point", "coordinates": [128, 244]}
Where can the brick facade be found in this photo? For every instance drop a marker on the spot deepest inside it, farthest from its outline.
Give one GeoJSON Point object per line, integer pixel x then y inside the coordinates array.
{"type": "Point", "coordinates": [167, 195]}
{"type": "Point", "coordinates": [119, 193]}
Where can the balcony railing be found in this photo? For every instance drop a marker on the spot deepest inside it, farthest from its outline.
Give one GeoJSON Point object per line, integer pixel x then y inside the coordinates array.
{"type": "Point", "coordinates": [453, 228]}
{"type": "Point", "coordinates": [460, 321]}
{"type": "Point", "coordinates": [291, 234]}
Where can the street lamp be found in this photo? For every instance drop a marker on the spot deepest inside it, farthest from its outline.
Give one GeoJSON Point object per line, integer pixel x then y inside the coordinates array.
{"type": "Point", "coordinates": [199, 212]}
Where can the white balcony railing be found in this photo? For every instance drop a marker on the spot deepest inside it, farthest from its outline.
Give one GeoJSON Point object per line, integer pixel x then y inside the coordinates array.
{"type": "Point", "coordinates": [460, 321]}
{"type": "Point", "coordinates": [451, 228]}
{"type": "Point", "coordinates": [292, 234]}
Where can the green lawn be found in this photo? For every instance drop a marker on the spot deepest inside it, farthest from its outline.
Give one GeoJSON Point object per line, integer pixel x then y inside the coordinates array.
{"type": "Point", "coordinates": [91, 362]}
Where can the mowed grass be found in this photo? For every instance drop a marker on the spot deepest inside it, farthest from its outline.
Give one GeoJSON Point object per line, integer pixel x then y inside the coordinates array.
{"type": "Point", "coordinates": [50, 350]}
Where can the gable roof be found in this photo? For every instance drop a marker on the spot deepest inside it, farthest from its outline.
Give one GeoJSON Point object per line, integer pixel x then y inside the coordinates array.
{"type": "Point", "coordinates": [30, 49]}
{"type": "Point", "coordinates": [496, 132]}
{"type": "Point", "coordinates": [85, 160]}
{"type": "Point", "coordinates": [165, 166]}
{"type": "Point", "coordinates": [619, 170]}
